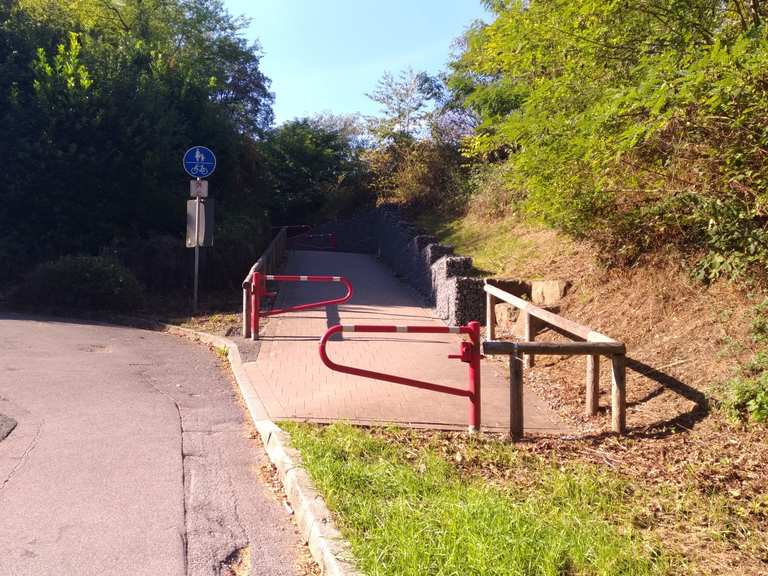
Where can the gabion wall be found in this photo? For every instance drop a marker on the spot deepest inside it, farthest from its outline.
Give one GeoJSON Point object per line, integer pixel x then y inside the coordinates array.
{"type": "Point", "coordinates": [419, 260]}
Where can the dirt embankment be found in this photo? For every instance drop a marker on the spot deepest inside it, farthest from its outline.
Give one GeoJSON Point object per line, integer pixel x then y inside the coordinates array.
{"type": "Point", "coordinates": [706, 477]}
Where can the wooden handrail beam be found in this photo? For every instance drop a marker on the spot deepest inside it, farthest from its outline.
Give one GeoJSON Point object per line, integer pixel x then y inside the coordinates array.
{"type": "Point", "coordinates": [569, 326]}
{"type": "Point", "coordinates": [554, 348]}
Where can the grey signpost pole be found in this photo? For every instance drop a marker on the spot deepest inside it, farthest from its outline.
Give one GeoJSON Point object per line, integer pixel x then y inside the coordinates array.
{"type": "Point", "coordinates": [197, 250]}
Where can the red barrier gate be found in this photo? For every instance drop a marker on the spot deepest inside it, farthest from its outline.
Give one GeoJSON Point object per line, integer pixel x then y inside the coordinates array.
{"type": "Point", "coordinates": [259, 290]}
{"type": "Point", "coordinates": [469, 353]}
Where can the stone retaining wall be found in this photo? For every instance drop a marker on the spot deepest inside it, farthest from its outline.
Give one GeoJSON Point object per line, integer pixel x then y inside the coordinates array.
{"type": "Point", "coordinates": [444, 279]}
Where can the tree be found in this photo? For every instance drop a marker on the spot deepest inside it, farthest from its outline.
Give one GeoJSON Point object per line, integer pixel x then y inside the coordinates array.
{"type": "Point", "coordinates": [316, 169]}
{"type": "Point", "coordinates": [99, 100]}
{"type": "Point", "coordinates": [407, 104]}
{"type": "Point", "coordinates": [413, 156]}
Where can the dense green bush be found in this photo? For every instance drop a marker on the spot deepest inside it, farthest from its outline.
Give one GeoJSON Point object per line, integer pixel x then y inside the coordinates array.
{"type": "Point", "coordinates": [79, 283]}
{"type": "Point", "coordinates": [639, 124]}
{"type": "Point", "coordinates": [422, 175]}
{"type": "Point", "coordinates": [315, 170]}
{"type": "Point", "coordinates": [99, 101]}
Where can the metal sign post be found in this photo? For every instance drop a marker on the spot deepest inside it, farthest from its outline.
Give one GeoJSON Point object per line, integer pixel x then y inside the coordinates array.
{"type": "Point", "coordinates": [199, 162]}
{"type": "Point", "coordinates": [197, 252]}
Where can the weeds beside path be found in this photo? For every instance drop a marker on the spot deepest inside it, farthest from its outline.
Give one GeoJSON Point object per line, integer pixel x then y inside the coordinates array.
{"type": "Point", "coordinates": [410, 506]}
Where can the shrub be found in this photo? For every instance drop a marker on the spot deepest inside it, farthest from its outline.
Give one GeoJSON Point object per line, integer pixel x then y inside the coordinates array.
{"type": "Point", "coordinates": [759, 328]}
{"type": "Point", "coordinates": [747, 398]}
{"type": "Point", "coordinates": [492, 195]}
{"type": "Point", "coordinates": [80, 283]}
{"type": "Point", "coordinates": [420, 175]}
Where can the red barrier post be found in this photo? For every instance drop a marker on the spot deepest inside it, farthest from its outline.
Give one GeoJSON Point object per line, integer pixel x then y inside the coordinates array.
{"type": "Point", "coordinates": [474, 377]}
{"type": "Point", "coordinates": [259, 291]}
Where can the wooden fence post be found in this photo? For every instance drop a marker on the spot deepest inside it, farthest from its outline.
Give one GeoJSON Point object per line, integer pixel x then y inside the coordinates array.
{"type": "Point", "coordinates": [593, 384]}
{"type": "Point", "coordinates": [529, 335]}
{"type": "Point", "coordinates": [516, 375]}
{"type": "Point", "coordinates": [619, 393]}
{"type": "Point", "coordinates": [490, 316]}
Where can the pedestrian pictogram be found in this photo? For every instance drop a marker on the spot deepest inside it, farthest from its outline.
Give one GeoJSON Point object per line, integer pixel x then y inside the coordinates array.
{"type": "Point", "coordinates": [199, 162]}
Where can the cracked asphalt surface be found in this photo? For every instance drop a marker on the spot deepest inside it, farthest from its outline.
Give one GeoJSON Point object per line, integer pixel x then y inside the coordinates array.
{"type": "Point", "coordinates": [132, 456]}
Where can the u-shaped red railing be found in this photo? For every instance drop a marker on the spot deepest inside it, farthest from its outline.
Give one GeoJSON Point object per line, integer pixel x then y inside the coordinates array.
{"type": "Point", "coordinates": [259, 290]}
{"type": "Point", "coordinates": [470, 353]}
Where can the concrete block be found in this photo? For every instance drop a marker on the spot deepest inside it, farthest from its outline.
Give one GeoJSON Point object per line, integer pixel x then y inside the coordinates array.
{"type": "Point", "coordinates": [519, 288]}
{"type": "Point", "coordinates": [506, 316]}
{"type": "Point", "coordinates": [548, 292]}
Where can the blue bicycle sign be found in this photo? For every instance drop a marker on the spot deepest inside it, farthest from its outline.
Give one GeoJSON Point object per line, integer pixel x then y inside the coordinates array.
{"type": "Point", "coordinates": [199, 162]}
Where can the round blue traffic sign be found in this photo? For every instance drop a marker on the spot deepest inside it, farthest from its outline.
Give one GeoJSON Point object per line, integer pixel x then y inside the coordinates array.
{"type": "Point", "coordinates": [199, 162]}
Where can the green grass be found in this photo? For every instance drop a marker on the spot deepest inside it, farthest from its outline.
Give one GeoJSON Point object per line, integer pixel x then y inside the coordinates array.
{"type": "Point", "coordinates": [409, 511]}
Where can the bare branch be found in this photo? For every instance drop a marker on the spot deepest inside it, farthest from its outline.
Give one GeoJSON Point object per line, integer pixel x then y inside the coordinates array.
{"type": "Point", "coordinates": [109, 6]}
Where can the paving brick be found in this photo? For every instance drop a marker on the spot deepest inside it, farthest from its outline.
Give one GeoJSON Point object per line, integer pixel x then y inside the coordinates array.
{"type": "Point", "coordinates": [295, 384]}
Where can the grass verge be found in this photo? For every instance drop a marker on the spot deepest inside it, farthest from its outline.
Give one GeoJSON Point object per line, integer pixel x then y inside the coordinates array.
{"type": "Point", "coordinates": [495, 249]}
{"type": "Point", "coordinates": [407, 509]}
{"type": "Point", "coordinates": [507, 247]}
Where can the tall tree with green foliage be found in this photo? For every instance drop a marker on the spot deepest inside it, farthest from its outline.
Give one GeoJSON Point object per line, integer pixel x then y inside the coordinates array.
{"type": "Point", "coordinates": [413, 156]}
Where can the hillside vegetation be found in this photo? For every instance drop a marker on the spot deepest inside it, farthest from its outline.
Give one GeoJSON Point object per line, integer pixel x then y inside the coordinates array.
{"type": "Point", "coordinates": [640, 125]}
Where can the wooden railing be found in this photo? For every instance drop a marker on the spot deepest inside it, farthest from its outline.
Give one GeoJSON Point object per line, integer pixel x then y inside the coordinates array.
{"type": "Point", "coordinates": [586, 342]}
{"type": "Point", "coordinates": [268, 263]}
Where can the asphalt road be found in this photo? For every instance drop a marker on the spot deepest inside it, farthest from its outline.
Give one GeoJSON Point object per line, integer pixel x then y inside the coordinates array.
{"type": "Point", "coordinates": [132, 456]}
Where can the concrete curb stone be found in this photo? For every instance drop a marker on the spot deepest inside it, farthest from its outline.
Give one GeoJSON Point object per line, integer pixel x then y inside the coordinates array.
{"type": "Point", "coordinates": [326, 544]}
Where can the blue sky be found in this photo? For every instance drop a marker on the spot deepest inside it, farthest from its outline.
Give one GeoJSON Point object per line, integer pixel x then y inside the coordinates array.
{"type": "Point", "coordinates": [324, 55]}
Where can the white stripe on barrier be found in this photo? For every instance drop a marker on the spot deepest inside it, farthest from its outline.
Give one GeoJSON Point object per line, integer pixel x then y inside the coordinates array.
{"type": "Point", "coordinates": [454, 329]}
{"type": "Point", "coordinates": [270, 277]}
{"type": "Point", "coordinates": [303, 278]}
{"type": "Point", "coordinates": [350, 328]}
{"type": "Point", "coordinates": [402, 328]}
{"type": "Point", "coordinates": [337, 278]}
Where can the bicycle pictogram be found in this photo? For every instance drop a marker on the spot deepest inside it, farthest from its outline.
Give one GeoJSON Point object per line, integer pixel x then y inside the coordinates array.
{"type": "Point", "coordinates": [199, 162]}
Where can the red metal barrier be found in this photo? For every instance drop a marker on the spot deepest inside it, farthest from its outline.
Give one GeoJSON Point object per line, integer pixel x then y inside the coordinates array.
{"type": "Point", "coordinates": [469, 353]}
{"type": "Point", "coordinates": [259, 290]}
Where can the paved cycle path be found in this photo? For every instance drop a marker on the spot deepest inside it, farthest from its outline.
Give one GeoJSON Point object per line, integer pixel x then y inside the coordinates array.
{"type": "Point", "coordinates": [131, 457]}
{"type": "Point", "coordinates": [294, 384]}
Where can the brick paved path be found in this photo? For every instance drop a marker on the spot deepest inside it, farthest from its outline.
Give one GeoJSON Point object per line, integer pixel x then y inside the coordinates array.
{"type": "Point", "coordinates": [294, 384]}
